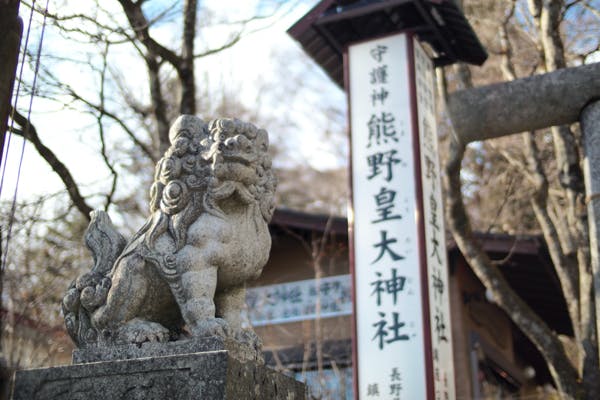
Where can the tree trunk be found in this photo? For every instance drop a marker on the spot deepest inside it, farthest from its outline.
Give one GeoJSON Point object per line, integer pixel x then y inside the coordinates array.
{"type": "Point", "coordinates": [546, 341]}
{"type": "Point", "coordinates": [186, 69]}
{"type": "Point", "coordinates": [159, 107]}
{"type": "Point", "coordinates": [11, 29]}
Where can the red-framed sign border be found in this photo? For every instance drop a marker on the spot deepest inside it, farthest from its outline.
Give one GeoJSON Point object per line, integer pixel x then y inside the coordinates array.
{"type": "Point", "coordinates": [419, 215]}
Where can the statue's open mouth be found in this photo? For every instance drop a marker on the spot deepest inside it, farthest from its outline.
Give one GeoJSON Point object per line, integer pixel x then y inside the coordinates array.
{"type": "Point", "coordinates": [230, 155]}
{"type": "Point", "coordinates": [241, 158]}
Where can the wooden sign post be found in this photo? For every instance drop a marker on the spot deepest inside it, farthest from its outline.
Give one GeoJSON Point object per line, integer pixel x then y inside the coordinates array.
{"type": "Point", "coordinates": [402, 315]}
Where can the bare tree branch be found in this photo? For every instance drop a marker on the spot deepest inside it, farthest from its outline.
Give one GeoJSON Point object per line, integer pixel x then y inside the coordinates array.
{"type": "Point", "coordinates": [591, 9]}
{"type": "Point", "coordinates": [101, 109]}
{"type": "Point", "coordinates": [140, 26]}
{"type": "Point", "coordinates": [230, 43]}
{"type": "Point", "coordinates": [563, 373]}
{"type": "Point", "coordinates": [29, 132]}
{"type": "Point", "coordinates": [107, 162]}
{"type": "Point", "coordinates": [97, 107]}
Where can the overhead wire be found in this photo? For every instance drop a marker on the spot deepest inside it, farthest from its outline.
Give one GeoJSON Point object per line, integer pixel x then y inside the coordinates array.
{"type": "Point", "coordinates": [26, 127]}
{"type": "Point", "coordinates": [17, 93]}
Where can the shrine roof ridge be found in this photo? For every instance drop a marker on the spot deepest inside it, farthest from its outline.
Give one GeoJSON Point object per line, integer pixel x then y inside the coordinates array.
{"type": "Point", "coordinates": [326, 31]}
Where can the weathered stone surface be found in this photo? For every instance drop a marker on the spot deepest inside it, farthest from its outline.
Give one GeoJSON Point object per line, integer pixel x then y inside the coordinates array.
{"type": "Point", "coordinates": [207, 235]}
{"type": "Point", "coordinates": [210, 375]}
{"type": "Point", "coordinates": [590, 127]}
{"type": "Point", "coordinates": [237, 350]}
{"type": "Point", "coordinates": [536, 102]}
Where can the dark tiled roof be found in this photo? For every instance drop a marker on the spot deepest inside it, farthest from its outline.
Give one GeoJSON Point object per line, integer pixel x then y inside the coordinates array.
{"type": "Point", "coordinates": [327, 30]}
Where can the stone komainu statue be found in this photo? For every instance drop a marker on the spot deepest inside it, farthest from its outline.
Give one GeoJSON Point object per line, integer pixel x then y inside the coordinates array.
{"type": "Point", "coordinates": [185, 269]}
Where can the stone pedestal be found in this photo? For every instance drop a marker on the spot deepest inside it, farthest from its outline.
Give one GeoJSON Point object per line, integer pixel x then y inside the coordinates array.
{"type": "Point", "coordinates": [195, 369]}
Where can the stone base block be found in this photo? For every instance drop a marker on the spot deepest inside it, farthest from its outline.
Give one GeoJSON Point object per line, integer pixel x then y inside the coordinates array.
{"type": "Point", "coordinates": [235, 349]}
{"type": "Point", "coordinates": [213, 375]}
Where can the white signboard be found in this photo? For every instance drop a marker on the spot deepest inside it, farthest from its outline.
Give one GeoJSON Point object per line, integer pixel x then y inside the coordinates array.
{"type": "Point", "coordinates": [389, 314]}
{"type": "Point", "coordinates": [296, 301]}
{"type": "Point", "coordinates": [393, 335]}
{"type": "Point", "coordinates": [435, 244]}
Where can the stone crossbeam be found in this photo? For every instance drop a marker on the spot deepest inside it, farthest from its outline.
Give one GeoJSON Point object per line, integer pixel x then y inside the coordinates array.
{"type": "Point", "coordinates": [526, 104]}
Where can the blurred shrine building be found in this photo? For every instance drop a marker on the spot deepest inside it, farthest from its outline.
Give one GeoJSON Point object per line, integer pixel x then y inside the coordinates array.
{"type": "Point", "coordinates": [301, 308]}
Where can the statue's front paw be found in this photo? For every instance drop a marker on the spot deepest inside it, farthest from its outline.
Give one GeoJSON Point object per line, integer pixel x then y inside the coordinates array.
{"type": "Point", "coordinates": [139, 331]}
{"type": "Point", "coordinates": [250, 338]}
{"type": "Point", "coordinates": [211, 327]}
{"type": "Point", "coordinates": [71, 300]}
{"type": "Point", "coordinates": [93, 297]}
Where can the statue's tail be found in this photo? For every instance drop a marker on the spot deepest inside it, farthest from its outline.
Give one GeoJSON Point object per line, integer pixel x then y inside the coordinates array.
{"type": "Point", "coordinates": [89, 291]}
{"type": "Point", "coordinates": [104, 241]}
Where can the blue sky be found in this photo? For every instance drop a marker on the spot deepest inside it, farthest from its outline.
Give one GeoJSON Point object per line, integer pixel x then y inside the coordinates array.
{"type": "Point", "coordinates": [257, 58]}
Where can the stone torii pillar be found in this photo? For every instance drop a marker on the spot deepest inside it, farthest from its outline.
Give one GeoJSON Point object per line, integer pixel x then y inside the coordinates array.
{"type": "Point", "coordinates": [590, 126]}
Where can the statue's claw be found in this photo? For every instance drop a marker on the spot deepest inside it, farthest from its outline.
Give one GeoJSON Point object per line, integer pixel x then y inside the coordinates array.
{"type": "Point", "coordinates": [139, 331]}
{"type": "Point", "coordinates": [250, 338]}
{"type": "Point", "coordinates": [211, 327]}
{"type": "Point", "coordinates": [94, 296]}
{"type": "Point", "coordinates": [71, 300]}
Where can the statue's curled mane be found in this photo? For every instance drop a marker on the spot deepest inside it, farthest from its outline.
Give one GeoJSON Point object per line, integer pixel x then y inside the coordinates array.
{"type": "Point", "coordinates": [186, 183]}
